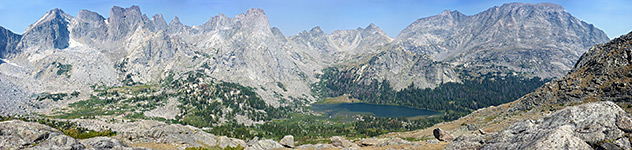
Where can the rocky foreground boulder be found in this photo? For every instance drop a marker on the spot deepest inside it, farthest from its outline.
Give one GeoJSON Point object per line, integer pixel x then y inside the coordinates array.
{"type": "Point", "coordinates": [442, 135]}
{"type": "Point", "coordinates": [599, 125]}
{"type": "Point", "coordinates": [288, 141]}
{"type": "Point", "coordinates": [17, 134]}
{"type": "Point", "coordinates": [105, 143]}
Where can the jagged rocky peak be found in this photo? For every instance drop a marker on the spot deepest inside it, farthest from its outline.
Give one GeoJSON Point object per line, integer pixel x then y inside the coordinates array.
{"type": "Point", "coordinates": [253, 21]}
{"type": "Point", "coordinates": [50, 31]}
{"type": "Point", "coordinates": [175, 26]}
{"type": "Point", "coordinates": [316, 31]}
{"type": "Point", "coordinates": [158, 23]}
{"type": "Point", "coordinates": [373, 29]}
{"type": "Point", "coordinates": [55, 14]}
{"type": "Point", "coordinates": [125, 15]}
{"type": "Point", "coordinates": [123, 21]}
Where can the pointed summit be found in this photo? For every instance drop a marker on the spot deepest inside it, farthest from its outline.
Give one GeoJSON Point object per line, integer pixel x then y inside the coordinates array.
{"type": "Point", "coordinates": [158, 22]}
{"type": "Point", "coordinates": [50, 31]}
{"type": "Point", "coordinates": [255, 20]}
{"type": "Point", "coordinates": [316, 31]}
{"type": "Point", "coordinates": [56, 14]}
{"type": "Point", "coordinates": [175, 21]}
{"type": "Point", "coordinates": [373, 28]}
{"type": "Point", "coordinates": [175, 26]}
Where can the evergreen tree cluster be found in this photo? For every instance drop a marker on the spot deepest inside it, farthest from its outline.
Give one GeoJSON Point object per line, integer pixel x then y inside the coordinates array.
{"type": "Point", "coordinates": [454, 99]}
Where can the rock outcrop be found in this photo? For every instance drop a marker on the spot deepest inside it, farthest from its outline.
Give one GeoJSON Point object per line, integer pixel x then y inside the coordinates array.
{"type": "Point", "coordinates": [158, 132]}
{"type": "Point", "coordinates": [602, 74]}
{"type": "Point", "coordinates": [107, 143]}
{"type": "Point", "coordinates": [342, 142]}
{"type": "Point", "coordinates": [442, 135]}
{"type": "Point", "coordinates": [265, 144]}
{"type": "Point", "coordinates": [8, 42]}
{"type": "Point", "coordinates": [600, 79]}
{"type": "Point", "coordinates": [287, 141]}
{"type": "Point", "coordinates": [224, 141]}
{"type": "Point", "coordinates": [586, 126]}
{"type": "Point", "coordinates": [16, 134]}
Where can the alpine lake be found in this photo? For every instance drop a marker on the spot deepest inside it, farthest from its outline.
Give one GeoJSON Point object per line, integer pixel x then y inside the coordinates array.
{"type": "Point", "coordinates": [343, 106]}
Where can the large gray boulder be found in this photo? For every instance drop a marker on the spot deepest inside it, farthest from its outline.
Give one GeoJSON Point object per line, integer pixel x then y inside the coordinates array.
{"type": "Point", "coordinates": [339, 141]}
{"type": "Point", "coordinates": [288, 141]}
{"type": "Point", "coordinates": [442, 135]}
{"type": "Point", "coordinates": [224, 141]}
{"type": "Point", "coordinates": [17, 134]}
{"type": "Point", "coordinates": [159, 132]}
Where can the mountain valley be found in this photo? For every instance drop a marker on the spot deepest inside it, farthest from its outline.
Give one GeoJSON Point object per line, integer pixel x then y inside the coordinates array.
{"type": "Point", "coordinates": [130, 81]}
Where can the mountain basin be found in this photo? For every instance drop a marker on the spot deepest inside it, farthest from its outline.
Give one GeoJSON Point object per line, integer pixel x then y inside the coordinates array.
{"type": "Point", "coordinates": [370, 109]}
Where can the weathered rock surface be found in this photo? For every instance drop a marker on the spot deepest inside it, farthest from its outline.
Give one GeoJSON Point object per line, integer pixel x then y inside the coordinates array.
{"type": "Point", "coordinates": [402, 68]}
{"type": "Point", "coordinates": [342, 142]}
{"type": "Point", "coordinates": [265, 144]}
{"type": "Point", "coordinates": [106, 143]}
{"type": "Point", "coordinates": [158, 132]}
{"type": "Point", "coordinates": [442, 135]}
{"type": "Point", "coordinates": [16, 134]}
{"type": "Point", "coordinates": [8, 42]}
{"type": "Point", "coordinates": [287, 141]}
{"type": "Point", "coordinates": [316, 147]}
{"type": "Point", "coordinates": [224, 141]}
{"type": "Point", "coordinates": [577, 127]}
{"type": "Point", "coordinates": [49, 32]}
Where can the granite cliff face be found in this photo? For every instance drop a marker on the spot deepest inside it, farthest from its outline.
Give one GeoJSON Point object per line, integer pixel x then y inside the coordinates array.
{"type": "Point", "coordinates": [403, 68]}
{"type": "Point", "coordinates": [49, 32]}
{"type": "Point", "coordinates": [8, 42]}
{"type": "Point", "coordinates": [541, 40]}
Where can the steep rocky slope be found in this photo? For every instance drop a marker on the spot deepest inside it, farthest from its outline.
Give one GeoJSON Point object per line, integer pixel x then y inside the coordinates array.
{"type": "Point", "coordinates": [401, 68]}
{"type": "Point", "coordinates": [541, 40]}
{"type": "Point", "coordinates": [602, 74]}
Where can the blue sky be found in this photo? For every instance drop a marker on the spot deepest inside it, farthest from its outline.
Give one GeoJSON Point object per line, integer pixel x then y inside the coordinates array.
{"type": "Point", "coordinates": [293, 16]}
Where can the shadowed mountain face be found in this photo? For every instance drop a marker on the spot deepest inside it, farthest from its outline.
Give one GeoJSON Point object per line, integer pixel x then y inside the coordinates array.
{"type": "Point", "coordinates": [537, 39]}
{"type": "Point", "coordinates": [130, 48]}
{"type": "Point", "coordinates": [8, 42]}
